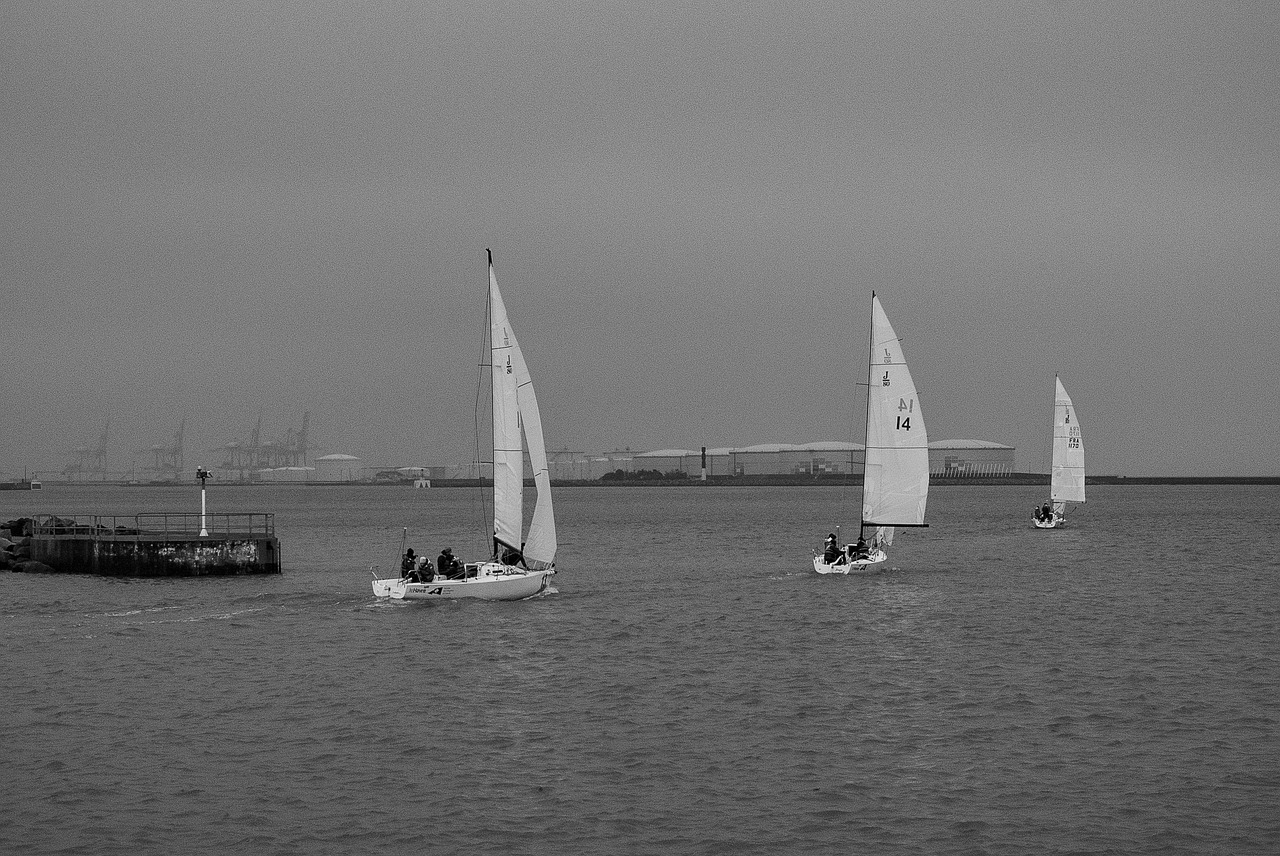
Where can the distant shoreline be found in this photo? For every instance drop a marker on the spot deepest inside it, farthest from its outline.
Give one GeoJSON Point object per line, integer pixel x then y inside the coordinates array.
{"type": "Point", "coordinates": [1014, 480]}
{"type": "Point", "coordinates": [1010, 480]}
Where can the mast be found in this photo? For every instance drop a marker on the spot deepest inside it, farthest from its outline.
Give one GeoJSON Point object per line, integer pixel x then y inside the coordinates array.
{"type": "Point", "coordinates": [866, 421]}
{"type": "Point", "coordinates": [485, 362]}
{"type": "Point", "coordinates": [1053, 436]}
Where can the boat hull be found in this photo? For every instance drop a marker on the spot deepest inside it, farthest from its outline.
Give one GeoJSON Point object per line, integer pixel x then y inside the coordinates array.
{"type": "Point", "coordinates": [1049, 524]}
{"type": "Point", "coordinates": [859, 566]}
{"type": "Point", "coordinates": [489, 582]}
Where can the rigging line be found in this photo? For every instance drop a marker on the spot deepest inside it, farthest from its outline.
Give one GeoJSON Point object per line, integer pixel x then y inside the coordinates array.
{"type": "Point", "coordinates": [395, 562]}
{"type": "Point", "coordinates": [845, 482]}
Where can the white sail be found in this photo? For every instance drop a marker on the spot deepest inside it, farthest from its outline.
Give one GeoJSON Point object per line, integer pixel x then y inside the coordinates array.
{"type": "Point", "coordinates": [1067, 481]}
{"type": "Point", "coordinates": [896, 474]}
{"type": "Point", "coordinates": [515, 406]}
{"type": "Point", "coordinates": [508, 453]}
{"type": "Point", "coordinates": [540, 545]}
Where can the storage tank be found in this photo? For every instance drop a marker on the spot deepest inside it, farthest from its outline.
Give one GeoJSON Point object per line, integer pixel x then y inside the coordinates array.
{"type": "Point", "coordinates": [339, 468]}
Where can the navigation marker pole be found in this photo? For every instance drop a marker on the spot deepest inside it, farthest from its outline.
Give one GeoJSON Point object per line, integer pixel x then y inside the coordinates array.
{"type": "Point", "coordinates": [202, 474]}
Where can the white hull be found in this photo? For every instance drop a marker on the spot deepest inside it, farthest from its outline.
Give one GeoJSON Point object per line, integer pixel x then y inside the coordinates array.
{"type": "Point", "coordinates": [859, 566]}
{"type": "Point", "coordinates": [1049, 524]}
{"type": "Point", "coordinates": [487, 581]}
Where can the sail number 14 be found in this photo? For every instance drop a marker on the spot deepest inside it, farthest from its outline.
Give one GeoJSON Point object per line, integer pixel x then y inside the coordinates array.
{"type": "Point", "coordinates": [907, 406]}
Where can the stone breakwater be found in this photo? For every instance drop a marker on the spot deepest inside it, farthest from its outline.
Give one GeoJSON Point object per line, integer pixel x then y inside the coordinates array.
{"type": "Point", "coordinates": [143, 545]}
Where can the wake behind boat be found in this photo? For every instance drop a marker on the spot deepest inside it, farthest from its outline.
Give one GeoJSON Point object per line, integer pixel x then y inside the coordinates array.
{"type": "Point", "coordinates": [1066, 484]}
{"type": "Point", "coordinates": [895, 482]}
{"type": "Point", "coordinates": [519, 568]}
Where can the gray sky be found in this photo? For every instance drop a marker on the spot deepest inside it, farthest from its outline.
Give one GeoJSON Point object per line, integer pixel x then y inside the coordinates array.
{"type": "Point", "coordinates": [226, 210]}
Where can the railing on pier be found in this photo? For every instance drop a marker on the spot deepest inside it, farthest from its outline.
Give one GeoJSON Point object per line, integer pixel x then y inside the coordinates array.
{"type": "Point", "coordinates": [156, 526]}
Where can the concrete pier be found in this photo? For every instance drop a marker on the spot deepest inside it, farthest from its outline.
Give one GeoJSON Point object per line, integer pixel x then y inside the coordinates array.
{"type": "Point", "coordinates": [157, 545]}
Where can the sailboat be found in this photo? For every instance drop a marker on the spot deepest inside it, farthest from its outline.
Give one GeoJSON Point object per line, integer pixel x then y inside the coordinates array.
{"type": "Point", "coordinates": [895, 481]}
{"type": "Point", "coordinates": [520, 567]}
{"type": "Point", "coordinates": [1066, 484]}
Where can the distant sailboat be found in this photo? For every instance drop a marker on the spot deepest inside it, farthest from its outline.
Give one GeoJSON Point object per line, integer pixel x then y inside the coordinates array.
{"type": "Point", "coordinates": [895, 482]}
{"type": "Point", "coordinates": [1066, 484]}
{"type": "Point", "coordinates": [519, 568]}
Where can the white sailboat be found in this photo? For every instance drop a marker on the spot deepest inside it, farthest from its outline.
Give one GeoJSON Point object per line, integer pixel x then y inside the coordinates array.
{"type": "Point", "coordinates": [519, 568]}
{"type": "Point", "coordinates": [1066, 484]}
{"type": "Point", "coordinates": [895, 481]}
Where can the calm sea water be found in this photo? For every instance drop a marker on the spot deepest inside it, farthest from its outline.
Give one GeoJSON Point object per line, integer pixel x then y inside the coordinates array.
{"type": "Point", "coordinates": [692, 686]}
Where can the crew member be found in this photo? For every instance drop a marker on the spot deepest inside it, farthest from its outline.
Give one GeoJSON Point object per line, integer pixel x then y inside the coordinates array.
{"type": "Point", "coordinates": [831, 550]}
{"type": "Point", "coordinates": [448, 565]}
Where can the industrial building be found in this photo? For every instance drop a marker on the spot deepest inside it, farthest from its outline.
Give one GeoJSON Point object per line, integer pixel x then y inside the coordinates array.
{"type": "Point", "coordinates": [947, 459]}
{"type": "Point", "coordinates": [338, 468]}
{"type": "Point", "coordinates": [958, 459]}
{"type": "Point", "coordinates": [285, 475]}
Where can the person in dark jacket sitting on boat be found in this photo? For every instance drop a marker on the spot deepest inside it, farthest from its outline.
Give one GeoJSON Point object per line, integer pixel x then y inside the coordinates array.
{"type": "Point", "coordinates": [860, 550]}
{"type": "Point", "coordinates": [830, 549]}
{"type": "Point", "coordinates": [408, 563]}
{"type": "Point", "coordinates": [423, 573]}
{"type": "Point", "coordinates": [448, 565]}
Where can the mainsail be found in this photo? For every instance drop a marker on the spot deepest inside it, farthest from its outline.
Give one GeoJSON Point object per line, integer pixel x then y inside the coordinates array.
{"type": "Point", "coordinates": [514, 406]}
{"type": "Point", "coordinates": [1067, 481]}
{"type": "Point", "coordinates": [896, 473]}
